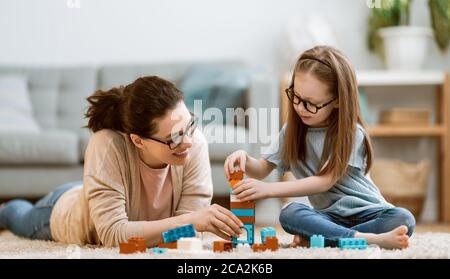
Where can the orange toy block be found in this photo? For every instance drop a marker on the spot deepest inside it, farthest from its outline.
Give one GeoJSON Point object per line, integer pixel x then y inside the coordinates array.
{"type": "Point", "coordinates": [139, 242]}
{"type": "Point", "coordinates": [134, 245]}
{"type": "Point", "coordinates": [242, 205]}
{"type": "Point", "coordinates": [272, 243]}
{"type": "Point", "coordinates": [127, 248]}
{"type": "Point", "coordinates": [169, 245]}
{"type": "Point", "coordinates": [235, 177]}
{"type": "Point", "coordinates": [222, 246]}
{"type": "Point", "coordinates": [247, 219]}
{"type": "Point", "coordinates": [259, 247]}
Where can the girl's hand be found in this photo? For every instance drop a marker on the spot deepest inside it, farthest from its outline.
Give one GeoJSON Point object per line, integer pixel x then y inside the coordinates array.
{"type": "Point", "coordinates": [237, 157]}
{"type": "Point", "coordinates": [251, 189]}
{"type": "Point", "coordinates": [218, 220]}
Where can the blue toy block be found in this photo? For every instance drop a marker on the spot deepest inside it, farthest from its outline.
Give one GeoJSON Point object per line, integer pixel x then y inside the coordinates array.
{"type": "Point", "coordinates": [250, 228]}
{"type": "Point", "coordinates": [316, 241]}
{"type": "Point", "coordinates": [177, 233]}
{"type": "Point", "coordinates": [157, 250]}
{"type": "Point", "coordinates": [267, 232]}
{"type": "Point", "coordinates": [243, 212]}
{"type": "Point", "coordinates": [352, 243]}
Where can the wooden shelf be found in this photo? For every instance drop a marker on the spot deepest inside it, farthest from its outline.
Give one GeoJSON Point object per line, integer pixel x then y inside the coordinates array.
{"type": "Point", "coordinates": [405, 131]}
{"type": "Point", "coordinates": [393, 78]}
{"type": "Point", "coordinates": [441, 130]}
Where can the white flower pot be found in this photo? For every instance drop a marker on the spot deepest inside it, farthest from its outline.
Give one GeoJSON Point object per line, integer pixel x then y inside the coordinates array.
{"type": "Point", "coordinates": [405, 47]}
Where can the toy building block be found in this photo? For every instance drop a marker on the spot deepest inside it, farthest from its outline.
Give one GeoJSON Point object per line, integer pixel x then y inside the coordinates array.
{"type": "Point", "coordinates": [233, 198]}
{"type": "Point", "coordinates": [247, 219]}
{"type": "Point", "coordinates": [134, 245]}
{"type": "Point", "coordinates": [259, 247]}
{"type": "Point", "coordinates": [236, 177]}
{"type": "Point", "coordinates": [169, 245]}
{"type": "Point", "coordinates": [243, 248]}
{"type": "Point", "coordinates": [352, 243]}
{"type": "Point", "coordinates": [127, 248]}
{"type": "Point", "coordinates": [139, 242]}
{"type": "Point", "coordinates": [242, 205]}
{"type": "Point", "coordinates": [316, 241]}
{"type": "Point", "coordinates": [272, 243]}
{"type": "Point", "coordinates": [158, 250]}
{"type": "Point", "coordinates": [243, 212]}
{"type": "Point", "coordinates": [177, 233]}
{"type": "Point", "coordinates": [189, 244]}
{"type": "Point", "coordinates": [250, 228]}
{"type": "Point", "coordinates": [268, 231]}
{"type": "Point", "coordinates": [222, 246]}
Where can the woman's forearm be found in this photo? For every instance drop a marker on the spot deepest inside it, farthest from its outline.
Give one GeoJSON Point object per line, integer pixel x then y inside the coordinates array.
{"type": "Point", "coordinates": [153, 229]}
{"type": "Point", "coordinates": [301, 187]}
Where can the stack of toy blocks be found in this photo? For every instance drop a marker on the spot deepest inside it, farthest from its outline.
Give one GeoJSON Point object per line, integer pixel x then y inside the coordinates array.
{"type": "Point", "coordinates": [352, 243]}
{"type": "Point", "coordinates": [134, 245]}
{"type": "Point", "coordinates": [245, 211]}
{"type": "Point", "coordinates": [269, 240]}
{"type": "Point", "coordinates": [267, 232]}
{"type": "Point", "coordinates": [171, 237]}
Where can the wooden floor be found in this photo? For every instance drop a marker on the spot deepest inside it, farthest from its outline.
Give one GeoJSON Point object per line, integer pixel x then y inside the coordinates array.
{"type": "Point", "coordinates": [433, 228]}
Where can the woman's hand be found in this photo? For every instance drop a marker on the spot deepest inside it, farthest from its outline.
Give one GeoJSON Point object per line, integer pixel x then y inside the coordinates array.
{"type": "Point", "coordinates": [237, 157]}
{"type": "Point", "coordinates": [252, 189]}
{"type": "Point", "coordinates": [218, 220]}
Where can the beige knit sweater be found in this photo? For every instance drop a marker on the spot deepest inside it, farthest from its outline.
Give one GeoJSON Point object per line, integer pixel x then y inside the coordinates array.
{"type": "Point", "coordinates": [105, 209]}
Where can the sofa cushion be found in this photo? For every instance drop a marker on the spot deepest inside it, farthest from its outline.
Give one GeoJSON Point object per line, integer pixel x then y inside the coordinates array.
{"type": "Point", "coordinates": [16, 111]}
{"type": "Point", "coordinates": [220, 146]}
{"type": "Point", "coordinates": [215, 87]}
{"type": "Point", "coordinates": [50, 147]}
{"type": "Point", "coordinates": [58, 94]}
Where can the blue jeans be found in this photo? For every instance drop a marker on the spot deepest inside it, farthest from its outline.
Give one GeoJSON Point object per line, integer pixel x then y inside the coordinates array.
{"type": "Point", "coordinates": [299, 219]}
{"type": "Point", "coordinates": [32, 221]}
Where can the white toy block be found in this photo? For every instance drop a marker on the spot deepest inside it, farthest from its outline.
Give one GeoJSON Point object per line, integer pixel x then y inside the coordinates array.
{"type": "Point", "coordinates": [189, 244]}
{"type": "Point", "coordinates": [244, 248]}
{"type": "Point", "coordinates": [233, 198]}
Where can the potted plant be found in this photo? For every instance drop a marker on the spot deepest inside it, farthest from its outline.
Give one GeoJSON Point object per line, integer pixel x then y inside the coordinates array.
{"type": "Point", "coordinates": [402, 46]}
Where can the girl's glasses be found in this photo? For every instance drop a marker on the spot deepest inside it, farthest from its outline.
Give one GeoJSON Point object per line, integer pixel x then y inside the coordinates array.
{"type": "Point", "coordinates": [295, 99]}
{"type": "Point", "coordinates": [178, 138]}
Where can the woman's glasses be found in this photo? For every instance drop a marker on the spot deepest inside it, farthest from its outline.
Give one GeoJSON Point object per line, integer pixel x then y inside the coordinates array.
{"type": "Point", "coordinates": [295, 99]}
{"type": "Point", "coordinates": [178, 138]}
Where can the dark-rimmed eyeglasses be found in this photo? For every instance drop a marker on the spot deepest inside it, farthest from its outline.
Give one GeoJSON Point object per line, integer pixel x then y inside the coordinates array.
{"type": "Point", "coordinates": [178, 138]}
{"type": "Point", "coordinates": [296, 100]}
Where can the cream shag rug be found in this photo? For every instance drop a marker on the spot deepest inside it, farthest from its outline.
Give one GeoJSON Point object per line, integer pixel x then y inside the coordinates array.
{"type": "Point", "coordinates": [422, 245]}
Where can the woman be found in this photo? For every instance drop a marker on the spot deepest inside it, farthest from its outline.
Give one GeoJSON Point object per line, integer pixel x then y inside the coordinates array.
{"type": "Point", "coordinates": [146, 171]}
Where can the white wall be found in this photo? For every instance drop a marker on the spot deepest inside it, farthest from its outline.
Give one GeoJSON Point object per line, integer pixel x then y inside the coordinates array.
{"type": "Point", "coordinates": [99, 31]}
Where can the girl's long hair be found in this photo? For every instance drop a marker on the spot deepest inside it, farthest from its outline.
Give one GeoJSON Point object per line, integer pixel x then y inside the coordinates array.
{"type": "Point", "coordinates": [331, 67]}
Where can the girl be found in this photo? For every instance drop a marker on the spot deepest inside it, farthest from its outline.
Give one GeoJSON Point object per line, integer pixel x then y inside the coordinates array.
{"type": "Point", "coordinates": [325, 146]}
{"type": "Point", "coordinates": [146, 171]}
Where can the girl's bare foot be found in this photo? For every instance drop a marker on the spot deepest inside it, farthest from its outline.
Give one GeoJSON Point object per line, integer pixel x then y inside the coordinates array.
{"type": "Point", "coordinates": [395, 239]}
{"type": "Point", "coordinates": [299, 241]}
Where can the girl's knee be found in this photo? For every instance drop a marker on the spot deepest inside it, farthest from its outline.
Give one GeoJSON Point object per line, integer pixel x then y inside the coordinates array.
{"type": "Point", "coordinates": [292, 212]}
{"type": "Point", "coordinates": [404, 217]}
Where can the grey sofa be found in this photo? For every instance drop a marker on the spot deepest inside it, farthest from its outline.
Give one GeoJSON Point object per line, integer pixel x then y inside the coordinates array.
{"type": "Point", "coordinates": [31, 166]}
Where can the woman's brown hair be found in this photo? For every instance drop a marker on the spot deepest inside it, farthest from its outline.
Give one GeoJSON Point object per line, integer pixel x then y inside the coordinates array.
{"type": "Point", "coordinates": [331, 67]}
{"type": "Point", "coordinates": [132, 109]}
